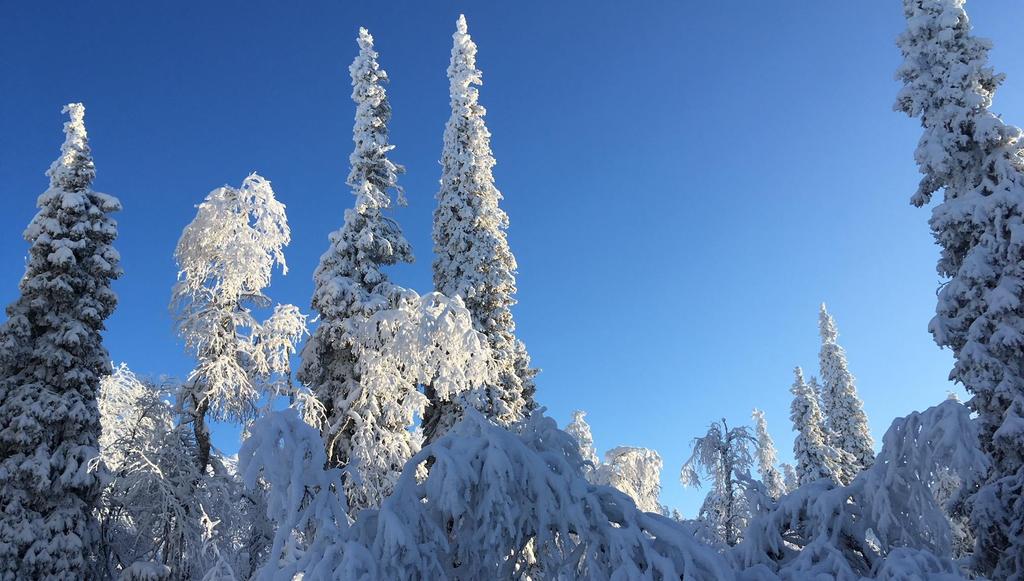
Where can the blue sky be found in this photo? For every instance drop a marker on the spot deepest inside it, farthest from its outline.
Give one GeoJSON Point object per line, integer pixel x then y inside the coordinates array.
{"type": "Point", "coordinates": [686, 181]}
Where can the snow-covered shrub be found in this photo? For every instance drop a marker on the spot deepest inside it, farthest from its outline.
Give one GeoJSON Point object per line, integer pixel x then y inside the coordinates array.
{"type": "Point", "coordinates": [886, 523]}
{"type": "Point", "coordinates": [489, 496]}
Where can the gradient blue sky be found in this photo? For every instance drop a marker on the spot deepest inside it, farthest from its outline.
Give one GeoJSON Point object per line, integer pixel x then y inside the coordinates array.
{"type": "Point", "coordinates": [686, 181]}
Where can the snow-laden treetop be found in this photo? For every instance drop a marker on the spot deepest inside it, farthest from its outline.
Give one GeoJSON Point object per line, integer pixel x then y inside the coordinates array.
{"type": "Point", "coordinates": [73, 171]}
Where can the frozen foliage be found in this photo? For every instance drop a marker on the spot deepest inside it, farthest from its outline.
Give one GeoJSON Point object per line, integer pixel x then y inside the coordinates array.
{"type": "Point", "coordinates": [766, 457]}
{"type": "Point", "coordinates": [723, 456]}
{"type": "Point", "coordinates": [634, 471]}
{"type": "Point", "coordinates": [488, 495]}
{"type": "Point", "coordinates": [225, 258]}
{"type": "Point", "coordinates": [304, 501]}
{"type": "Point", "coordinates": [51, 362]}
{"type": "Point", "coordinates": [422, 340]}
{"type": "Point", "coordinates": [473, 259]}
{"type": "Point", "coordinates": [815, 457]}
{"type": "Point", "coordinates": [579, 429]}
{"type": "Point", "coordinates": [160, 514]}
{"type": "Point", "coordinates": [886, 524]}
{"type": "Point", "coordinates": [975, 159]}
{"type": "Point", "coordinates": [845, 420]}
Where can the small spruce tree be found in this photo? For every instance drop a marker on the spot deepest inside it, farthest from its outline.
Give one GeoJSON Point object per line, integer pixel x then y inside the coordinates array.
{"type": "Point", "coordinates": [845, 420]}
{"type": "Point", "coordinates": [766, 457]}
{"type": "Point", "coordinates": [815, 457]}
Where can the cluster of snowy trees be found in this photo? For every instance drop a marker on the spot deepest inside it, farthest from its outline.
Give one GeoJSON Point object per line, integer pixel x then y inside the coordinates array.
{"type": "Point", "coordinates": [408, 443]}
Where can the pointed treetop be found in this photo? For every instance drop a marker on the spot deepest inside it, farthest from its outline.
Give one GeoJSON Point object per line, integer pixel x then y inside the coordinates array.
{"type": "Point", "coordinates": [827, 325]}
{"type": "Point", "coordinates": [365, 38]}
{"type": "Point", "coordinates": [798, 373]}
{"type": "Point", "coordinates": [73, 171]}
{"type": "Point", "coordinates": [462, 71]}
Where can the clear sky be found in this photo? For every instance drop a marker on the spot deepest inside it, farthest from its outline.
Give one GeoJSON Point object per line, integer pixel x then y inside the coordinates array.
{"type": "Point", "coordinates": [686, 181]}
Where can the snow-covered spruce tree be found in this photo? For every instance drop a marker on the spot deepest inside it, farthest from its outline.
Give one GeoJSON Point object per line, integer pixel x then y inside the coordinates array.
{"type": "Point", "coordinates": [473, 258]}
{"type": "Point", "coordinates": [723, 456]}
{"type": "Point", "coordinates": [349, 281]}
{"type": "Point", "coordinates": [975, 159]}
{"type": "Point", "coordinates": [225, 258]}
{"type": "Point", "coordinates": [51, 359]}
{"type": "Point", "coordinates": [636, 472]}
{"type": "Point", "coordinates": [815, 457]}
{"type": "Point", "coordinates": [579, 429]}
{"type": "Point", "coordinates": [845, 420]}
{"type": "Point", "coordinates": [766, 457]}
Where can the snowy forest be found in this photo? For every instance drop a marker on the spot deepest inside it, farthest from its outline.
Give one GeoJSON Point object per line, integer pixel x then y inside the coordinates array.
{"type": "Point", "coordinates": [393, 433]}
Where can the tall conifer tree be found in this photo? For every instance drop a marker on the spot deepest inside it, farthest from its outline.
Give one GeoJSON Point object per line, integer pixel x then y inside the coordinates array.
{"type": "Point", "coordinates": [974, 157]}
{"type": "Point", "coordinates": [350, 286]}
{"type": "Point", "coordinates": [473, 259]}
{"type": "Point", "coordinates": [52, 359]}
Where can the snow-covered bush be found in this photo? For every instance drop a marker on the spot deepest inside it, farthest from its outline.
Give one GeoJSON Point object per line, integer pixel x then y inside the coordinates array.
{"type": "Point", "coordinates": [886, 523]}
{"type": "Point", "coordinates": [487, 496]}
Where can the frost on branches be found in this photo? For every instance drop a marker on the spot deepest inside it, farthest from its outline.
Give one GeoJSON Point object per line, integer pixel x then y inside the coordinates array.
{"type": "Point", "coordinates": [473, 256]}
{"type": "Point", "coordinates": [723, 456]}
{"type": "Point", "coordinates": [51, 359]}
{"type": "Point", "coordinates": [815, 457]}
{"type": "Point", "coordinates": [845, 420]}
{"type": "Point", "coordinates": [491, 503]}
{"type": "Point", "coordinates": [225, 258]}
{"type": "Point", "coordinates": [162, 518]}
{"type": "Point", "coordinates": [886, 524]}
{"type": "Point", "coordinates": [428, 340]}
{"type": "Point", "coordinates": [766, 457]}
{"type": "Point", "coordinates": [974, 158]}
